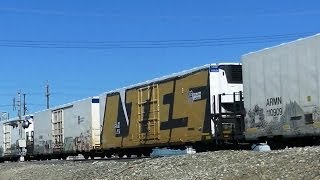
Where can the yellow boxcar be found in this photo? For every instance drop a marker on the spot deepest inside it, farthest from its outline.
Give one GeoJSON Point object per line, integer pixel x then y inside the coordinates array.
{"type": "Point", "coordinates": [173, 111]}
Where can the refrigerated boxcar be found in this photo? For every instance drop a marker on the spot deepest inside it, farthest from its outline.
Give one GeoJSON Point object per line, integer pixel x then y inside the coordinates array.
{"type": "Point", "coordinates": [67, 130]}
{"type": "Point", "coordinates": [172, 111]}
{"type": "Point", "coordinates": [1, 143]}
{"type": "Point", "coordinates": [281, 90]}
{"type": "Point", "coordinates": [56, 133]}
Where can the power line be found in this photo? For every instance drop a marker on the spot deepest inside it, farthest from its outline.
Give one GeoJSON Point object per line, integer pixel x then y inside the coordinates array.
{"type": "Point", "coordinates": [29, 104]}
{"type": "Point", "coordinates": [78, 93]}
{"type": "Point", "coordinates": [6, 105]}
{"type": "Point", "coordinates": [182, 43]}
{"type": "Point", "coordinates": [50, 12]}
{"type": "Point", "coordinates": [146, 47]}
{"type": "Point", "coordinates": [164, 41]}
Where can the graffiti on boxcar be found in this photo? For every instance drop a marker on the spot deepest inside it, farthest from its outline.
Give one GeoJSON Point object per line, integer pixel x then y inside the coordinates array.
{"type": "Point", "coordinates": [256, 118]}
{"type": "Point", "coordinates": [118, 114]}
{"type": "Point", "coordinates": [122, 126]}
{"type": "Point", "coordinates": [195, 94]}
{"type": "Point", "coordinates": [292, 119]}
{"type": "Point", "coordinates": [47, 146]}
{"type": "Point", "coordinates": [42, 146]}
{"type": "Point", "coordinates": [68, 144]}
{"type": "Point", "coordinates": [316, 114]}
{"type": "Point", "coordinates": [119, 106]}
{"type": "Point", "coordinates": [82, 142]}
{"type": "Point", "coordinates": [171, 123]}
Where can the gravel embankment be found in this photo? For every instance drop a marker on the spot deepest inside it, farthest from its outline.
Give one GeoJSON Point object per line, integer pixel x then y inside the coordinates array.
{"type": "Point", "coordinates": [296, 163]}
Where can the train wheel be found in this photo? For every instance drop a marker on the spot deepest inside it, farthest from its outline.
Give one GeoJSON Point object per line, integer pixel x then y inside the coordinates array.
{"type": "Point", "coordinates": [86, 156]}
{"type": "Point", "coordinates": [120, 155]}
{"type": "Point", "coordinates": [139, 155]}
{"type": "Point", "coordinates": [146, 154]}
{"type": "Point", "coordinates": [108, 155]}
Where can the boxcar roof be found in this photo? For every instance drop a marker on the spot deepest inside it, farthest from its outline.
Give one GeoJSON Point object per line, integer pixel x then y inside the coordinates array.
{"type": "Point", "coordinates": [181, 73]}
{"type": "Point", "coordinates": [282, 44]}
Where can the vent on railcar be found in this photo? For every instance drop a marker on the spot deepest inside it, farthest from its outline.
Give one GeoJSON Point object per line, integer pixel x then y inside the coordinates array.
{"type": "Point", "coordinates": [233, 73]}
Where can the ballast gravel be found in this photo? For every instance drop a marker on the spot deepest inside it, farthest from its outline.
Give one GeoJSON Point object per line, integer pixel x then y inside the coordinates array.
{"type": "Point", "coordinates": [292, 163]}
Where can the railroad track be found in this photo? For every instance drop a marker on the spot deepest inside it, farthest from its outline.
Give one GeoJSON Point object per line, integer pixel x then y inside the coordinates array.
{"type": "Point", "coordinates": [109, 159]}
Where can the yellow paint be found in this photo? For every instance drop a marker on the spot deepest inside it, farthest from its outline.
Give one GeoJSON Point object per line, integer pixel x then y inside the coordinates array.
{"type": "Point", "coordinates": [309, 98]}
{"type": "Point", "coordinates": [316, 124]}
{"type": "Point", "coordinates": [182, 108]}
{"type": "Point", "coordinates": [252, 130]}
{"type": "Point", "coordinates": [205, 134]}
{"type": "Point", "coordinates": [286, 127]}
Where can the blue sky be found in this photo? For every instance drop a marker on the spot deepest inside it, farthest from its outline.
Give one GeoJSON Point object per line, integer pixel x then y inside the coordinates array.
{"type": "Point", "coordinates": [76, 73]}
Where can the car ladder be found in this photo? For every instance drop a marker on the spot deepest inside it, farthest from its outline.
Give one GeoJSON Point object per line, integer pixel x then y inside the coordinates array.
{"type": "Point", "coordinates": [148, 113]}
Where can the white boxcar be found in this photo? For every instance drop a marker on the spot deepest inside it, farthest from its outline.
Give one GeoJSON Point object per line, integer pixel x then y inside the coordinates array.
{"type": "Point", "coordinates": [14, 137]}
{"type": "Point", "coordinates": [68, 129]}
{"type": "Point", "coordinates": [282, 90]}
{"type": "Point", "coordinates": [2, 137]}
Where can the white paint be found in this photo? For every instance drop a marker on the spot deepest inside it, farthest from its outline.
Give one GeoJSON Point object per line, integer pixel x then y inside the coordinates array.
{"type": "Point", "coordinates": [95, 118]}
{"type": "Point", "coordinates": [22, 143]}
{"type": "Point", "coordinates": [220, 85]}
{"type": "Point", "coordinates": [30, 128]}
{"type": "Point", "coordinates": [3, 138]}
{"type": "Point", "coordinates": [123, 102]}
{"type": "Point", "coordinates": [288, 71]}
{"type": "Point", "coordinates": [89, 124]}
{"type": "Point", "coordinates": [193, 96]}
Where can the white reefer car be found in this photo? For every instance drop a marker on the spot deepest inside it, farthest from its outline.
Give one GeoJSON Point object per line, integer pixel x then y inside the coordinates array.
{"type": "Point", "coordinates": [282, 90]}
{"type": "Point", "coordinates": [69, 129]}
{"type": "Point", "coordinates": [58, 132]}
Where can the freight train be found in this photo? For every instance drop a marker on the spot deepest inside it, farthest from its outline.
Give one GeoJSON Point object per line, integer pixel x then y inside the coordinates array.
{"type": "Point", "coordinates": [273, 95]}
{"type": "Point", "coordinates": [55, 133]}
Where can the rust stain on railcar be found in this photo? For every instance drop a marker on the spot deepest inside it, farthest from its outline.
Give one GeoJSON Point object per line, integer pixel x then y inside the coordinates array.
{"type": "Point", "coordinates": [172, 111]}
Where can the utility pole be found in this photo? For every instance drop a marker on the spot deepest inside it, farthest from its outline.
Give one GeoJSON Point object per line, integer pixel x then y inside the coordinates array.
{"type": "Point", "coordinates": [21, 141]}
{"type": "Point", "coordinates": [47, 94]}
{"type": "Point", "coordinates": [24, 104]}
{"type": "Point", "coordinates": [14, 103]}
{"type": "Point", "coordinates": [19, 104]}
